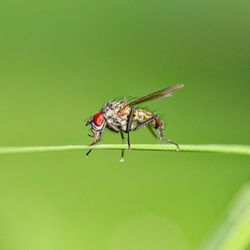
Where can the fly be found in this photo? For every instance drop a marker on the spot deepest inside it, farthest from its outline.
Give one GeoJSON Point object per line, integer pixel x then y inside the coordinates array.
{"type": "Point", "coordinates": [122, 117]}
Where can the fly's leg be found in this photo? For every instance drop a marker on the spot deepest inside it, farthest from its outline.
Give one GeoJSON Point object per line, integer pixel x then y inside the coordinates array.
{"type": "Point", "coordinates": [122, 153]}
{"type": "Point", "coordinates": [87, 154]}
{"type": "Point", "coordinates": [160, 126]}
{"type": "Point", "coordinates": [99, 139]}
{"type": "Point", "coordinates": [153, 132]}
{"type": "Point", "coordinates": [92, 144]}
{"type": "Point", "coordinates": [114, 128]}
{"type": "Point", "coordinates": [102, 131]}
{"type": "Point", "coordinates": [163, 138]}
{"type": "Point", "coordinates": [146, 122]}
{"type": "Point", "coordinates": [129, 124]}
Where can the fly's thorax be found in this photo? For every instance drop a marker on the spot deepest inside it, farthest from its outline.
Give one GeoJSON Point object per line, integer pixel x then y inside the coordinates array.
{"type": "Point", "coordinates": [115, 114]}
{"type": "Point", "coordinates": [111, 107]}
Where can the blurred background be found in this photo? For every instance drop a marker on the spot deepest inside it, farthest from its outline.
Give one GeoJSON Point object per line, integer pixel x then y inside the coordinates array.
{"type": "Point", "coordinates": [60, 61]}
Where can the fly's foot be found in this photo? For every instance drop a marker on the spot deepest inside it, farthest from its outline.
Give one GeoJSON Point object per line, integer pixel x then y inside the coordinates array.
{"type": "Point", "coordinates": [92, 144]}
{"type": "Point", "coordinates": [167, 141]}
{"type": "Point", "coordinates": [87, 154]}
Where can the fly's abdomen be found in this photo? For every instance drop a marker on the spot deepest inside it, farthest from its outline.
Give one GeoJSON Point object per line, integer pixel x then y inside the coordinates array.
{"type": "Point", "coordinates": [141, 116]}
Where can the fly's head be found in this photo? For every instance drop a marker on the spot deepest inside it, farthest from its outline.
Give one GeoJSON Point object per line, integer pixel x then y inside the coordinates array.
{"type": "Point", "coordinates": [97, 123]}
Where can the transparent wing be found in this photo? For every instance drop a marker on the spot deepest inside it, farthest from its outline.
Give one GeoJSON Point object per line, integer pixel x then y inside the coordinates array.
{"type": "Point", "coordinates": [157, 95]}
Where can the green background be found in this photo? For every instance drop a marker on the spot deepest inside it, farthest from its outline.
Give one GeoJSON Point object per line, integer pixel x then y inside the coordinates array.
{"type": "Point", "coordinates": [60, 61]}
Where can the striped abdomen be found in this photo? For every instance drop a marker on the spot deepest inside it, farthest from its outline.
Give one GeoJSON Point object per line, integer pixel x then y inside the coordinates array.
{"type": "Point", "coordinates": [142, 115]}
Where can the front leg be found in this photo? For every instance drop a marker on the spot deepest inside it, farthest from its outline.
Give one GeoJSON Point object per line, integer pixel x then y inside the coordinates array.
{"type": "Point", "coordinates": [113, 127]}
{"type": "Point", "coordinates": [92, 144]}
{"type": "Point", "coordinates": [96, 140]}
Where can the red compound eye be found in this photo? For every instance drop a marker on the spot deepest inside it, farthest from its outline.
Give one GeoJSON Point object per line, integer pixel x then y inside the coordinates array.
{"type": "Point", "coordinates": [98, 119]}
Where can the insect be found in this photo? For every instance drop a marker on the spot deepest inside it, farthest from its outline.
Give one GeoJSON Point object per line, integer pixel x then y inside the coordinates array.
{"type": "Point", "coordinates": [122, 116]}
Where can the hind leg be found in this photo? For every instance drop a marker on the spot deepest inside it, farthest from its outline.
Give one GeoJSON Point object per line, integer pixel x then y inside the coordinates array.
{"type": "Point", "coordinates": [159, 125]}
{"type": "Point", "coordinates": [152, 131]}
{"type": "Point", "coordinates": [165, 139]}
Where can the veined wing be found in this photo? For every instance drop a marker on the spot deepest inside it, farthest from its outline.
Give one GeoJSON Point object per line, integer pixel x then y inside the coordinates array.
{"type": "Point", "coordinates": [158, 94]}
